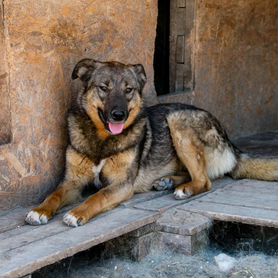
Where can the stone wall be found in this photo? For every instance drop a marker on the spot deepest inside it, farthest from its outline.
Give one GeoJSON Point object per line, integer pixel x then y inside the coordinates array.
{"type": "Point", "coordinates": [43, 41]}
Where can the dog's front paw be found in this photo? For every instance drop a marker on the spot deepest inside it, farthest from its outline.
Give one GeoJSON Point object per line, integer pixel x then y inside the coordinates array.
{"type": "Point", "coordinates": [37, 217]}
{"type": "Point", "coordinates": [73, 220]}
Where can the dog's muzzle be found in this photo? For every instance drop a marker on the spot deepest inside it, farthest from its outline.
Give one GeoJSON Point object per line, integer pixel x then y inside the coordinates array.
{"type": "Point", "coordinates": [115, 122]}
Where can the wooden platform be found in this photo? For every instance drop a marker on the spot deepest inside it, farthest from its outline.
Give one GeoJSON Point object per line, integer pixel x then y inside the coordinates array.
{"type": "Point", "coordinates": [24, 248]}
{"type": "Point", "coordinates": [245, 201]}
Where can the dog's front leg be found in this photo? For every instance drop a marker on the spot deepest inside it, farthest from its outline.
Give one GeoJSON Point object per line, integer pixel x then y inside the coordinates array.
{"type": "Point", "coordinates": [78, 174]}
{"type": "Point", "coordinates": [103, 200]}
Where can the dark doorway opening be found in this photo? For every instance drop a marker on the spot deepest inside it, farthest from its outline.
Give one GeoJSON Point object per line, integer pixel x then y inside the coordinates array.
{"type": "Point", "coordinates": [161, 54]}
{"type": "Point", "coordinates": [173, 56]}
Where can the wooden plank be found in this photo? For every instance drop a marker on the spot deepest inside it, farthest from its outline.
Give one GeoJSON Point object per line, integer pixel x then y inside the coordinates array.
{"type": "Point", "coordinates": [17, 231]}
{"type": "Point", "coordinates": [248, 215]}
{"type": "Point", "coordinates": [247, 193]}
{"type": "Point", "coordinates": [26, 259]}
{"type": "Point", "coordinates": [180, 44]}
{"type": "Point", "coordinates": [254, 185]}
{"type": "Point", "coordinates": [271, 195]}
{"type": "Point", "coordinates": [15, 219]}
{"type": "Point", "coordinates": [12, 219]}
{"type": "Point", "coordinates": [182, 15]}
{"type": "Point", "coordinates": [142, 197]}
{"type": "Point", "coordinates": [181, 3]}
{"type": "Point", "coordinates": [30, 235]}
{"type": "Point", "coordinates": [222, 182]}
{"type": "Point", "coordinates": [269, 190]}
{"type": "Point", "coordinates": [245, 199]}
{"type": "Point", "coordinates": [189, 42]}
{"type": "Point", "coordinates": [167, 200]}
{"type": "Point", "coordinates": [160, 204]}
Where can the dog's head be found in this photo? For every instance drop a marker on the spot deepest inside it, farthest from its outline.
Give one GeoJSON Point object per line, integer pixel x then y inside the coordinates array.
{"type": "Point", "coordinates": [112, 94]}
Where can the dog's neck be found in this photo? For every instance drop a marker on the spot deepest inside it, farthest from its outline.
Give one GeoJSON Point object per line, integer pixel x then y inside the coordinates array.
{"type": "Point", "coordinates": [96, 148]}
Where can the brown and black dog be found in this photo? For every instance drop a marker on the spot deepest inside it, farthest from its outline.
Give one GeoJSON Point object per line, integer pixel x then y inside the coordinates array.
{"type": "Point", "coordinates": [123, 148]}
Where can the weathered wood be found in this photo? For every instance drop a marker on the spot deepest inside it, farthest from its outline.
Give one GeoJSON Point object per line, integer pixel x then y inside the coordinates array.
{"type": "Point", "coordinates": [242, 189]}
{"type": "Point", "coordinates": [12, 219]}
{"type": "Point", "coordinates": [24, 249]}
{"type": "Point", "coordinates": [15, 219]}
{"type": "Point", "coordinates": [22, 260]}
{"type": "Point", "coordinates": [245, 199]}
{"type": "Point", "coordinates": [222, 182]}
{"type": "Point", "coordinates": [253, 186]}
{"type": "Point", "coordinates": [165, 202]}
{"type": "Point", "coordinates": [142, 197]}
{"type": "Point", "coordinates": [33, 235]}
{"type": "Point", "coordinates": [160, 204]}
{"type": "Point", "coordinates": [248, 215]}
{"type": "Point", "coordinates": [181, 40]}
{"type": "Point", "coordinates": [17, 231]}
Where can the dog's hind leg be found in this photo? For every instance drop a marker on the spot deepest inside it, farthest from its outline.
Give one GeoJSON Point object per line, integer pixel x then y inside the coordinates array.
{"type": "Point", "coordinates": [190, 151]}
{"type": "Point", "coordinates": [78, 174]}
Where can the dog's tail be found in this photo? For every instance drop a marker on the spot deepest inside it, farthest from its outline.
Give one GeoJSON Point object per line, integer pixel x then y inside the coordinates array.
{"type": "Point", "coordinates": [256, 168]}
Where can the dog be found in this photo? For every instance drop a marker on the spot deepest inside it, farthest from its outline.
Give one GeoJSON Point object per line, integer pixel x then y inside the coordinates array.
{"type": "Point", "coordinates": [123, 148]}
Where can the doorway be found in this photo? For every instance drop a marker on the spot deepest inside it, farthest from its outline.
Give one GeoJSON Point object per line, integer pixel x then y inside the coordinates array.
{"type": "Point", "coordinates": [173, 62]}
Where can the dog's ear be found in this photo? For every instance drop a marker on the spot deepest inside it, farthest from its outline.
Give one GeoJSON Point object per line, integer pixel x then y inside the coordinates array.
{"type": "Point", "coordinates": [140, 74]}
{"type": "Point", "coordinates": [84, 69]}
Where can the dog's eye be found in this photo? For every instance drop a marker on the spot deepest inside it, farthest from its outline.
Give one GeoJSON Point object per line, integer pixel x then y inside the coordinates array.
{"type": "Point", "coordinates": [128, 90]}
{"type": "Point", "coordinates": [104, 88]}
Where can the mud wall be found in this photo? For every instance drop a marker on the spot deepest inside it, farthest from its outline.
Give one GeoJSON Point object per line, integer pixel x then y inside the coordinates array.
{"type": "Point", "coordinates": [235, 64]}
{"type": "Point", "coordinates": [43, 40]}
{"type": "Point", "coordinates": [234, 59]}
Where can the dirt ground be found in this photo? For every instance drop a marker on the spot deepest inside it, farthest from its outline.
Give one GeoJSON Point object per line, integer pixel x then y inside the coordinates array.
{"type": "Point", "coordinates": [162, 264]}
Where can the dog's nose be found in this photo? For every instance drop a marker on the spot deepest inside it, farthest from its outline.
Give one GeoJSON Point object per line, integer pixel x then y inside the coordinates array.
{"type": "Point", "coordinates": [118, 115]}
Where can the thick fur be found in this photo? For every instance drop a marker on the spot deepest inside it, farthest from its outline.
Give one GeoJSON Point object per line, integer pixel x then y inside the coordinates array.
{"type": "Point", "coordinates": [256, 168]}
{"type": "Point", "coordinates": [162, 146]}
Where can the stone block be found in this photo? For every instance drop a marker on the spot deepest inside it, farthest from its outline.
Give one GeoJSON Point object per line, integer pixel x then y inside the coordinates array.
{"type": "Point", "coordinates": [181, 222]}
{"type": "Point", "coordinates": [131, 247]}
{"type": "Point", "coordinates": [143, 245]}
{"type": "Point", "coordinates": [187, 245]}
{"type": "Point", "coordinates": [143, 230]}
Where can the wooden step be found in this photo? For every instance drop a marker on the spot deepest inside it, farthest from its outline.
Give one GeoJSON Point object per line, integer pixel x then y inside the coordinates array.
{"type": "Point", "coordinates": [37, 246]}
{"type": "Point", "coordinates": [245, 201]}
{"type": "Point", "coordinates": [25, 249]}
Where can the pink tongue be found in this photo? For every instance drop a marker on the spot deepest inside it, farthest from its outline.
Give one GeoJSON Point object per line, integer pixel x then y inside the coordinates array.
{"type": "Point", "coordinates": [116, 128]}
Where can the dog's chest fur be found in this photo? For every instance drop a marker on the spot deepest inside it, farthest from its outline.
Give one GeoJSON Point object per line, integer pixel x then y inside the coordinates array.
{"type": "Point", "coordinates": [97, 170]}
{"type": "Point", "coordinates": [84, 138]}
